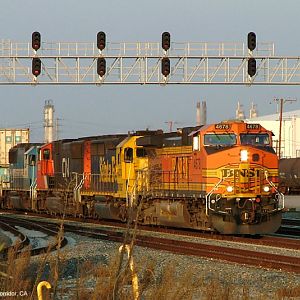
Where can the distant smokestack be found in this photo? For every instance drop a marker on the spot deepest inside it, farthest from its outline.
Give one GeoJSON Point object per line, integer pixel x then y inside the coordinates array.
{"type": "Point", "coordinates": [48, 121]}
{"type": "Point", "coordinates": [239, 113]}
{"type": "Point", "coordinates": [253, 111]}
{"type": "Point", "coordinates": [201, 113]}
{"type": "Point", "coordinates": [198, 117]}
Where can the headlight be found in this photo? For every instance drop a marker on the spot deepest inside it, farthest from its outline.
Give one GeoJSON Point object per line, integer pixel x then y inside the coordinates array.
{"type": "Point", "coordinates": [266, 188]}
{"type": "Point", "coordinates": [244, 155]}
{"type": "Point", "coordinates": [229, 189]}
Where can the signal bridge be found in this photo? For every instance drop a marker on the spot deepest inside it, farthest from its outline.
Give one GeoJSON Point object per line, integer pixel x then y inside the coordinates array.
{"type": "Point", "coordinates": [65, 63]}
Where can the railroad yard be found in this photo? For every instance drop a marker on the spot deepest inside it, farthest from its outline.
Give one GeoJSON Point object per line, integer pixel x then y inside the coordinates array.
{"type": "Point", "coordinates": [149, 152]}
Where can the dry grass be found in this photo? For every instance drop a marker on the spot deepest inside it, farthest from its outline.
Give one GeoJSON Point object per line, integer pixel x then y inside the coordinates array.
{"type": "Point", "coordinates": [15, 271]}
{"type": "Point", "coordinates": [95, 282]}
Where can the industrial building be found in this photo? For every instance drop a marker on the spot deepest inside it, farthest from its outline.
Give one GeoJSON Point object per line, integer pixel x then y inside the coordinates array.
{"type": "Point", "coordinates": [8, 139]}
{"type": "Point", "coordinates": [290, 131]}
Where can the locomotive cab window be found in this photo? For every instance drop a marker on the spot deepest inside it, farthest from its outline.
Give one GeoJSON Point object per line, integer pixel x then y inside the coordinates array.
{"type": "Point", "coordinates": [141, 152]}
{"type": "Point", "coordinates": [128, 154]}
{"type": "Point", "coordinates": [219, 139]}
{"type": "Point", "coordinates": [46, 154]}
{"type": "Point", "coordinates": [256, 139]}
{"type": "Point", "coordinates": [32, 159]}
{"type": "Point", "coordinates": [196, 142]}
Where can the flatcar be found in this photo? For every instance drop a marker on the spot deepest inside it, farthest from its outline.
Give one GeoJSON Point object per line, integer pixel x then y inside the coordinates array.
{"type": "Point", "coordinates": [221, 177]}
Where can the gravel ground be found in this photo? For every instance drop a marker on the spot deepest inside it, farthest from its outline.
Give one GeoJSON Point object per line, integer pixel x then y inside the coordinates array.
{"type": "Point", "coordinates": [204, 275]}
{"type": "Point", "coordinates": [206, 271]}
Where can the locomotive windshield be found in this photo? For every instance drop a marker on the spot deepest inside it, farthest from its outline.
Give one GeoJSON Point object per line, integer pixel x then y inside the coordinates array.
{"type": "Point", "coordinates": [219, 139]}
{"type": "Point", "coordinates": [257, 139]}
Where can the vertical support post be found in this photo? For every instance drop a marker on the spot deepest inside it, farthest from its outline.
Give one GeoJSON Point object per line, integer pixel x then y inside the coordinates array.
{"type": "Point", "coordinates": [282, 101]}
{"type": "Point", "coordinates": [280, 127]}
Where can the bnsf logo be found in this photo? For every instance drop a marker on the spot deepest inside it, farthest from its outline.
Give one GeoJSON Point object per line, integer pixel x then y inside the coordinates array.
{"type": "Point", "coordinates": [241, 172]}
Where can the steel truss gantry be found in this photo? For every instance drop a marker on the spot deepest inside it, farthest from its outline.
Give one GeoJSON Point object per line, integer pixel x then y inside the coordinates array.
{"type": "Point", "coordinates": [65, 63]}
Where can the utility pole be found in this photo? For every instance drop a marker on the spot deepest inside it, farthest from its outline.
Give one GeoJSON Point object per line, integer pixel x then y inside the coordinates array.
{"type": "Point", "coordinates": [57, 125]}
{"type": "Point", "coordinates": [282, 102]}
{"type": "Point", "coordinates": [171, 123]}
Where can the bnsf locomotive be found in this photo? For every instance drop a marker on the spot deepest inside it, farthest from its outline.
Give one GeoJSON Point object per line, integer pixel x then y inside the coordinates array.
{"type": "Point", "coordinates": [221, 177]}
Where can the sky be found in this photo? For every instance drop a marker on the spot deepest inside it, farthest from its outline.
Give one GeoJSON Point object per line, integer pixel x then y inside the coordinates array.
{"type": "Point", "coordinates": [92, 110]}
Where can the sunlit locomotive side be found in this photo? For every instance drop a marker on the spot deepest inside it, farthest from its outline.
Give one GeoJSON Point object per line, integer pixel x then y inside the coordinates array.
{"type": "Point", "coordinates": [221, 177]}
{"type": "Point", "coordinates": [227, 182]}
{"type": "Point", "coordinates": [91, 176]}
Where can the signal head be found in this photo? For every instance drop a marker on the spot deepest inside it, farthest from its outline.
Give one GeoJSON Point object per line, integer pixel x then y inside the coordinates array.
{"type": "Point", "coordinates": [251, 66]}
{"type": "Point", "coordinates": [101, 66]}
{"type": "Point", "coordinates": [36, 40]}
{"type": "Point", "coordinates": [101, 40]}
{"type": "Point", "coordinates": [36, 66]}
{"type": "Point", "coordinates": [165, 66]}
{"type": "Point", "coordinates": [251, 41]}
{"type": "Point", "coordinates": [166, 40]}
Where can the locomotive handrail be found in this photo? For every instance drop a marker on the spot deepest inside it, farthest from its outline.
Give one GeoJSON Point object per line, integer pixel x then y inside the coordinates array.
{"type": "Point", "coordinates": [280, 195]}
{"type": "Point", "coordinates": [207, 201]}
{"type": "Point", "coordinates": [127, 186]}
{"type": "Point", "coordinates": [207, 197]}
{"type": "Point", "coordinates": [32, 188]}
{"type": "Point", "coordinates": [78, 187]}
{"type": "Point", "coordinates": [32, 191]}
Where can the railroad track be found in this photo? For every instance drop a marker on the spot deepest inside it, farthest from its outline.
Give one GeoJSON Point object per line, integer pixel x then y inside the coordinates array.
{"type": "Point", "coordinates": [15, 225]}
{"type": "Point", "coordinates": [272, 241]}
{"type": "Point", "coordinates": [23, 240]}
{"type": "Point", "coordinates": [248, 257]}
{"type": "Point", "coordinates": [290, 227]}
{"type": "Point", "coordinates": [291, 222]}
{"type": "Point", "coordinates": [289, 230]}
{"type": "Point", "coordinates": [242, 256]}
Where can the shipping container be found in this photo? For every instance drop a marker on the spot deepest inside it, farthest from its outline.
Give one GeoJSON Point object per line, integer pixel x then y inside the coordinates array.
{"type": "Point", "coordinates": [8, 139]}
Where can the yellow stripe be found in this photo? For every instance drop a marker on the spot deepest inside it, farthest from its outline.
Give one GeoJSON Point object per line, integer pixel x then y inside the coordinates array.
{"type": "Point", "coordinates": [175, 150]}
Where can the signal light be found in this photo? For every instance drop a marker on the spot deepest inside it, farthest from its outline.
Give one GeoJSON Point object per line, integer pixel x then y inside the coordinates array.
{"type": "Point", "coordinates": [251, 66]}
{"type": "Point", "coordinates": [36, 66]}
{"type": "Point", "coordinates": [101, 66]}
{"type": "Point", "coordinates": [251, 41]}
{"type": "Point", "coordinates": [165, 66]}
{"type": "Point", "coordinates": [166, 40]}
{"type": "Point", "coordinates": [36, 40]}
{"type": "Point", "coordinates": [101, 40]}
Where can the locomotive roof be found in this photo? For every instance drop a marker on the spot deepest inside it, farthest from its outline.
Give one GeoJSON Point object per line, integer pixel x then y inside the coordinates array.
{"type": "Point", "coordinates": [230, 125]}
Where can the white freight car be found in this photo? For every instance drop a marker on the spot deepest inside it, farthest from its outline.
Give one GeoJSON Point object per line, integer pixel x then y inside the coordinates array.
{"type": "Point", "coordinates": [8, 139]}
